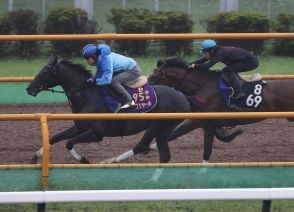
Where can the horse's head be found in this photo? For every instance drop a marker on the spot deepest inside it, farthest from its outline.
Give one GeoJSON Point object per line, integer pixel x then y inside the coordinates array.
{"type": "Point", "coordinates": [46, 78]}
{"type": "Point", "coordinates": [69, 76]}
{"type": "Point", "coordinates": [168, 72]}
{"type": "Point", "coordinates": [174, 73]}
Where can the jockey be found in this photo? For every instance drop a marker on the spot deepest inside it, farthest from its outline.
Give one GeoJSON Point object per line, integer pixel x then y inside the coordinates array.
{"type": "Point", "coordinates": [236, 59]}
{"type": "Point", "coordinates": [112, 69]}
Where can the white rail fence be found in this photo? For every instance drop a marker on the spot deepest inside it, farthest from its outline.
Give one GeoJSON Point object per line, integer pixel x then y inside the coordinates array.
{"type": "Point", "coordinates": [147, 195]}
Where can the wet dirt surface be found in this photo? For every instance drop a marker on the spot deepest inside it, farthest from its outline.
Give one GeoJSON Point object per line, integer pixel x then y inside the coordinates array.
{"type": "Point", "coordinates": [269, 140]}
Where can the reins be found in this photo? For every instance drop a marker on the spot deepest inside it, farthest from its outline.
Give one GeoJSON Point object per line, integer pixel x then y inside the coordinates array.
{"type": "Point", "coordinates": [44, 87]}
{"type": "Point", "coordinates": [177, 84]}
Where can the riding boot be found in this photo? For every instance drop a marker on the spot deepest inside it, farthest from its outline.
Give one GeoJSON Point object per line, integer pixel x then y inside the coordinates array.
{"type": "Point", "coordinates": [236, 84]}
{"type": "Point", "coordinates": [127, 99]}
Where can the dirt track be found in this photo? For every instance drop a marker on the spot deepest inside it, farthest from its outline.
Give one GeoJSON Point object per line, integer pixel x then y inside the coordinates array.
{"type": "Point", "coordinates": [269, 140]}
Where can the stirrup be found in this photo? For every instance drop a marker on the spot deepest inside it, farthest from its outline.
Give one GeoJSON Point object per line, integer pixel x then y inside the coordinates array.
{"type": "Point", "coordinates": [127, 105]}
{"type": "Point", "coordinates": [239, 96]}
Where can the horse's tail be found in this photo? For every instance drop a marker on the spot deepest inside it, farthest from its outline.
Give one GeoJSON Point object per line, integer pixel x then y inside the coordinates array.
{"type": "Point", "coordinates": [223, 135]}
{"type": "Point", "coordinates": [198, 105]}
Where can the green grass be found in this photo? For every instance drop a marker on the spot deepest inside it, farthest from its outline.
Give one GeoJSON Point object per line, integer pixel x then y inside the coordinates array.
{"type": "Point", "coordinates": [30, 67]}
{"type": "Point", "coordinates": [183, 206]}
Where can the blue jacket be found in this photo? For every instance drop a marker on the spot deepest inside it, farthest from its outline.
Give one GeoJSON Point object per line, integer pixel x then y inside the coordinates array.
{"type": "Point", "coordinates": [109, 63]}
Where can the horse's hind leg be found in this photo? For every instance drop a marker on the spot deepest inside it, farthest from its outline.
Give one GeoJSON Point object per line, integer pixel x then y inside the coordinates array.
{"type": "Point", "coordinates": [85, 137]}
{"type": "Point", "coordinates": [66, 134]}
{"type": "Point", "coordinates": [208, 143]}
{"type": "Point", "coordinates": [183, 128]}
{"type": "Point", "coordinates": [144, 143]}
{"type": "Point", "coordinates": [162, 143]}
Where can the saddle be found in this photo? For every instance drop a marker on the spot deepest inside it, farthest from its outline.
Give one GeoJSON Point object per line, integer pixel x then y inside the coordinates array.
{"type": "Point", "coordinates": [141, 92]}
{"type": "Point", "coordinates": [252, 87]}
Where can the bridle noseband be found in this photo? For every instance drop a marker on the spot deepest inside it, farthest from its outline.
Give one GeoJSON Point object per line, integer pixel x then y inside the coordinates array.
{"type": "Point", "coordinates": [163, 74]}
{"type": "Point", "coordinates": [45, 86]}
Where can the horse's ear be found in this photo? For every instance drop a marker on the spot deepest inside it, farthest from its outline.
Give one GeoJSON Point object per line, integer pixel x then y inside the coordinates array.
{"type": "Point", "coordinates": [53, 60]}
{"type": "Point", "coordinates": [159, 62]}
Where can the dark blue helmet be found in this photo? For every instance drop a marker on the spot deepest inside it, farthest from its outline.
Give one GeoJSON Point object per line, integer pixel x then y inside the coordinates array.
{"type": "Point", "coordinates": [89, 50]}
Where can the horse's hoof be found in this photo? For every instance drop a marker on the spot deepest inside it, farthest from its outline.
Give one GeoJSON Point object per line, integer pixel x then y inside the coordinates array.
{"type": "Point", "coordinates": [34, 160]}
{"type": "Point", "coordinates": [84, 160]}
{"type": "Point", "coordinates": [108, 161]}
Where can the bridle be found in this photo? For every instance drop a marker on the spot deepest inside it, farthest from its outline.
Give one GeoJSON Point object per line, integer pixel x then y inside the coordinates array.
{"type": "Point", "coordinates": [52, 70]}
{"type": "Point", "coordinates": [45, 86]}
{"type": "Point", "coordinates": [163, 75]}
{"type": "Point", "coordinates": [69, 94]}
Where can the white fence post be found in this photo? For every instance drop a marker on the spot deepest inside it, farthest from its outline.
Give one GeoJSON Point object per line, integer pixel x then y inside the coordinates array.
{"type": "Point", "coordinates": [189, 7]}
{"type": "Point", "coordinates": [85, 5]}
{"type": "Point", "coordinates": [10, 5]}
{"type": "Point", "coordinates": [228, 5]}
{"type": "Point", "coordinates": [155, 6]}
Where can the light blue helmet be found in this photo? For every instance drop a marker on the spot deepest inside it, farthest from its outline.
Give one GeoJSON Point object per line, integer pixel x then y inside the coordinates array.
{"type": "Point", "coordinates": [89, 50]}
{"type": "Point", "coordinates": [207, 45]}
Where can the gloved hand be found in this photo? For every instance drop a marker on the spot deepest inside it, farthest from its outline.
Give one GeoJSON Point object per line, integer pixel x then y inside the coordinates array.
{"type": "Point", "coordinates": [191, 66]}
{"type": "Point", "coordinates": [91, 80]}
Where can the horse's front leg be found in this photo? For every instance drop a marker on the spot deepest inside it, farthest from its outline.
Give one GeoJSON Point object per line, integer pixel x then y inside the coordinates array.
{"type": "Point", "coordinates": [85, 137]}
{"type": "Point", "coordinates": [208, 143]}
{"type": "Point", "coordinates": [66, 134]}
{"type": "Point", "coordinates": [142, 146]}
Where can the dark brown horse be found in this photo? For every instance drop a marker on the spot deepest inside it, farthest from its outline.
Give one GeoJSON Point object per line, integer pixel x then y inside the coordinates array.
{"type": "Point", "coordinates": [277, 95]}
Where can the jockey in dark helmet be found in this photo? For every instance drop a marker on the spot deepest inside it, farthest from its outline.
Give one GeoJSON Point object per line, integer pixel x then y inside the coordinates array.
{"type": "Point", "coordinates": [113, 69]}
{"type": "Point", "coordinates": [236, 59]}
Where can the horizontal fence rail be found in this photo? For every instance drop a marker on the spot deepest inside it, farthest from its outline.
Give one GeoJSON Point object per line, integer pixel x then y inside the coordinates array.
{"type": "Point", "coordinates": [151, 36]}
{"type": "Point", "coordinates": [147, 195]}
{"type": "Point", "coordinates": [124, 116]}
{"type": "Point", "coordinates": [265, 77]}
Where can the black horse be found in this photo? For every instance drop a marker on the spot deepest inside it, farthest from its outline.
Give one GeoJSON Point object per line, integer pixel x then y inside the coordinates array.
{"type": "Point", "coordinates": [87, 98]}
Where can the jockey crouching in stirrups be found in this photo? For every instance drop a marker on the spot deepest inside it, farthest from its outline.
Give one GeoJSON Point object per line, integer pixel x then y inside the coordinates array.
{"type": "Point", "coordinates": [113, 69]}
{"type": "Point", "coordinates": [237, 60]}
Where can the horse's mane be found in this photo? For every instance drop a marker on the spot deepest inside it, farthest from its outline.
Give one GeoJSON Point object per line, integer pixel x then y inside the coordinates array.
{"type": "Point", "coordinates": [172, 62]}
{"type": "Point", "coordinates": [78, 67]}
{"type": "Point", "coordinates": [182, 64]}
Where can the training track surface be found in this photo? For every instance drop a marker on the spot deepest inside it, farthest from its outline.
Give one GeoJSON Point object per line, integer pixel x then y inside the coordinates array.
{"type": "Point", "coordinates": [269, 140]}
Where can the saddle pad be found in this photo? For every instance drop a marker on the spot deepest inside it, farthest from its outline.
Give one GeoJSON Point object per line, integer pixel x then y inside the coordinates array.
{"type": "Point", "coordinates": [253, 91]}
{"type": "Point", "coordinates": [144, 97]}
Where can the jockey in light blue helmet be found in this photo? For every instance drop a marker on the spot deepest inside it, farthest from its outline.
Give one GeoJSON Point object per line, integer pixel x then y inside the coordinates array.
{"type": "Point", "coordinates": [207, 45]}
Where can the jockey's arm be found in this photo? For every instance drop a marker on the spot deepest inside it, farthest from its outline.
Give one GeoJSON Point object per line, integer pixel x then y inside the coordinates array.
{"type": "Point", "coordinates": [199, 61]}
{"type": "Point", "coordinates": [107, 71]}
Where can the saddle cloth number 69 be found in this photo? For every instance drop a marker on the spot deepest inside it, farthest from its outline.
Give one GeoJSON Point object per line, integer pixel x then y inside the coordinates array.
{"type": "Point", "coordinates": [255, 99]}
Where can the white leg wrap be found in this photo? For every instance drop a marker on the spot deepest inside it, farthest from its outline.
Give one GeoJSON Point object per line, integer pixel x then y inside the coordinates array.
{"type": "Point", "coordinates": [39, 153]}
{"type": "Point", "coordinates": [76, 156]}
{"type": "Point", "coordinates": [124, 156]}
{"type": "Point", "coordinates": [205, 161]}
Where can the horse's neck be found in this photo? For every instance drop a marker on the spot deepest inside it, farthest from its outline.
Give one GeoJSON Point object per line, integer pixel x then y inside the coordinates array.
{"type": "Point", "coordinates": [204, 80]}
{"type": "Point", "coordinates": [69, 82]}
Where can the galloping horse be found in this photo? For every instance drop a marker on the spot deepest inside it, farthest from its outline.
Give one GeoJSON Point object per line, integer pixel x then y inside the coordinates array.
{"type": "Point", "coordinates": [87, 98]}
{"type": "Point", "coordinates": [275, 95]}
